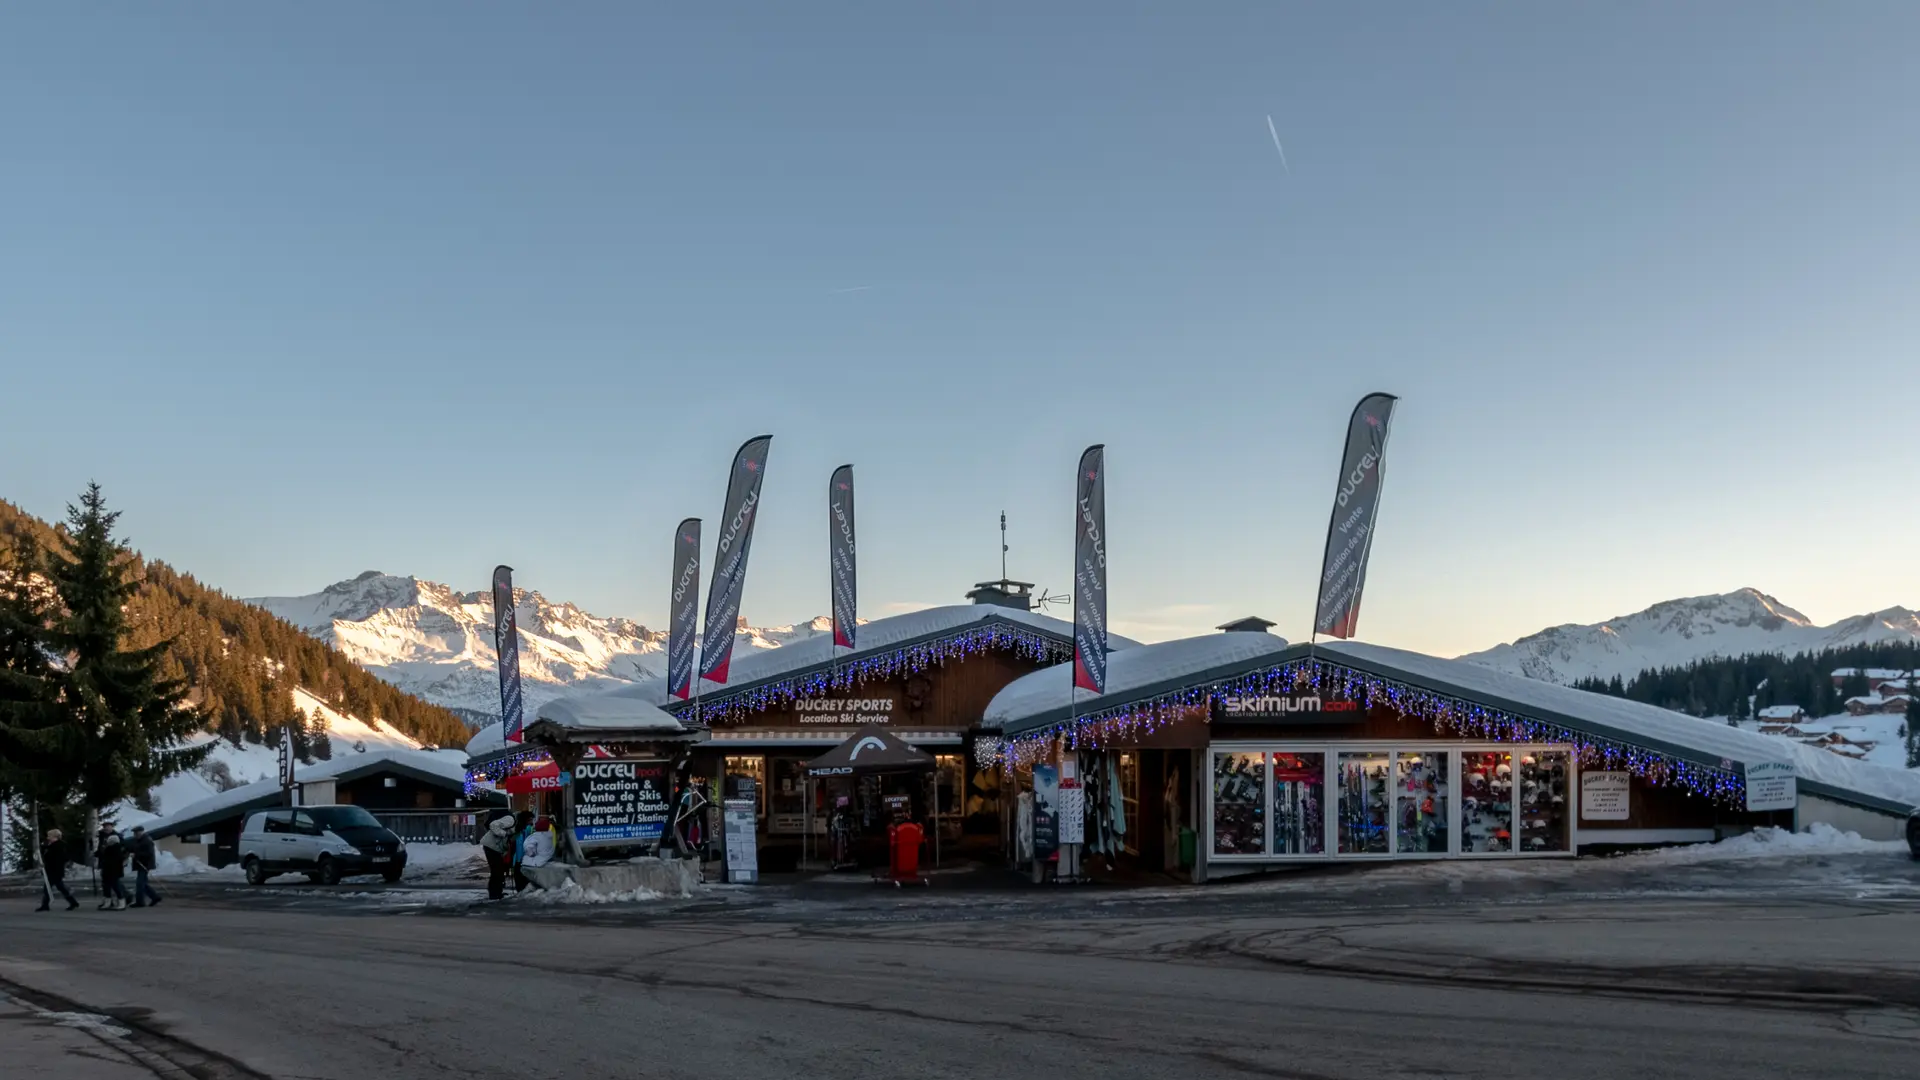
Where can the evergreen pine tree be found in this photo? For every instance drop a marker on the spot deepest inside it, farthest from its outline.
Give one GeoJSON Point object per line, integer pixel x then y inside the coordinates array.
{"type": "Point", "coordinates": [124, 726]}
{"type": "Point", "coordinates": [319, 738]}
{"type": "Point", "coordinates": [31, 769]}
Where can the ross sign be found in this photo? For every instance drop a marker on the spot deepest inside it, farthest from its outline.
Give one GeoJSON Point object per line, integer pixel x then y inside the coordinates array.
{"type": "Point", "coordinates": [1046, 811]}
{"type": "Point", "coordinates": [1289, 708]}
{"type": "Point", "coordinates": [856, 712]}
{"type": "Point", "coordinates": [1604, 796]}
{"type": "Point", "coordinates": [743, 853]}
{"type": "Point", "coordinates": [1772, 785]}
{"type": "Point", "coordinates": [619, 802]}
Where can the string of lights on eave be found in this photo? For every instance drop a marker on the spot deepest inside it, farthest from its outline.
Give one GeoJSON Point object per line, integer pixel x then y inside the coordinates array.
{"type": "Point", "coordinates": [723, 707]}
{"type": "Point", "coordinates": [1448, 715]}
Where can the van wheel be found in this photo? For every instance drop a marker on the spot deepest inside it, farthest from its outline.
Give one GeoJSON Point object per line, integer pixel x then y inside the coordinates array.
{"type": "Point", "coordinates": [392, 876]}
{"type": "Point", "coordinates": [255, 874]}
{"type": "Point", "coordinates": [329, 871]}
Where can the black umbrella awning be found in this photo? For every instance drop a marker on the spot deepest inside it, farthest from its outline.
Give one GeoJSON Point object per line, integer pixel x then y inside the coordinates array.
{"type": "Point", "coordinates": [869, 750]}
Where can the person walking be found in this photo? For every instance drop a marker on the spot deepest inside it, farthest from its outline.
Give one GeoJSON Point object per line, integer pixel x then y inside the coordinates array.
{"type": "Point", "coordinates": [497, 846]}
{"type": "Point", "coordinates": [53, 863]}
{"type": "Point", "coordinates": [113, 868]}
{"type": "Point", "coordinates": [144, 862]}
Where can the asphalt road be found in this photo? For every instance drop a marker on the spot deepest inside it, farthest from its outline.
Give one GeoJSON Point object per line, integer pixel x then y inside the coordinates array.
{"type": "Point", "coordinates": [1367, 978]}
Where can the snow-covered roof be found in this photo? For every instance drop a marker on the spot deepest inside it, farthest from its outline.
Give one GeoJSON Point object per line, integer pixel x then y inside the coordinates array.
{"type": "Point", "coordinates": [629, 708]}
{"type": "Point", "coordinates": [433, 764]}
{"type": "Point", "coordinates": [1825, 773]}
{"type": "Point", "coordinates": [1140, 671]}
{"type": "Point", "coordinates": [1780, 712]}
{"type": "Point", "coordinates": [488, 740]}
{"type": "Point", "coordinates": [1601, 715]}
{"type": "Point", "coordinates": [880, 635]}
{"type": "Point", "coordinates": [1871, 673]}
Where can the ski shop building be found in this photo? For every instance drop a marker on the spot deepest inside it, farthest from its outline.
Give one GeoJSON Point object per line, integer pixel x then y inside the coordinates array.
{"type": "Point", "coordinates": [925, 677]}
{"type": "Point", "coordinates": [1233, 752]}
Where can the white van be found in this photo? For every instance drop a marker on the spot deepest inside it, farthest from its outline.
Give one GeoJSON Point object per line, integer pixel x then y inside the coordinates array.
{"type": "Point", "coordinates": [326, 843]}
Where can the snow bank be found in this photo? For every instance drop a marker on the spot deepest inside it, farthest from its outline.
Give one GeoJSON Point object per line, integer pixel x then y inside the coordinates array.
{"type": "Point", "coordinates": [572, 893]}
{"type": "Point", "coordinates": [167, 864]}
{"type": "Point", "coordinates": [1821, 839]}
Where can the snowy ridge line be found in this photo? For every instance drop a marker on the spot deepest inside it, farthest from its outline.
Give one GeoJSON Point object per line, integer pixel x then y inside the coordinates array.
{"type": "Point", "coordinates": [1675, 633]}
{"type": "Point", "coordinates": [437, 643]}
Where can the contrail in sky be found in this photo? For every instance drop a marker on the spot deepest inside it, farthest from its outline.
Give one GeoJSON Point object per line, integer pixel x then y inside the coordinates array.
{"type": "Point", "coordinates": [1275, 132]}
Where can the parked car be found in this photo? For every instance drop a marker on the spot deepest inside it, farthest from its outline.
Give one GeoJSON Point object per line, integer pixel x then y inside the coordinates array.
{"type": "Point", "coordinates": [326, 843]}
{"type": "Point", "coordinates": [1913, 834]}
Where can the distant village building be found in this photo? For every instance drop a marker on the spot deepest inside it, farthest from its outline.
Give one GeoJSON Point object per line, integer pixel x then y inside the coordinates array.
{"type": "Point", "coordinates": [1877, 704]}
{"type": "Point", "coordinates": [1781, 714]}
{"type": "Point", "coordinates": [1876, 677]}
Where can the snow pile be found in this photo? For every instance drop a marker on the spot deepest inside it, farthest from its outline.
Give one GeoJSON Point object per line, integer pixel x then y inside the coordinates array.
{"type": "Point", "coordinates": [432, 641]}
{"type": "Point", "coordinates": [1675, 633]}
{"type": "Point", "coordinates": [572, 893]}
{"type": "Point", "coordinates": [451, 861]}
{"type": "Point", "coordinates": [1821, 839]}
{"type": "Point", "coordinates": [167, 864]}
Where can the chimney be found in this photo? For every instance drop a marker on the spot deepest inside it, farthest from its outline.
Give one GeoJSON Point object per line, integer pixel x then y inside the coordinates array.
{"type": "Point", "coordinates": [1006, 593]}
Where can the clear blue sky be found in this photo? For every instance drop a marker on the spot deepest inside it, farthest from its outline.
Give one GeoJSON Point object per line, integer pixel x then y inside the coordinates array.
{"type": "Point", "coordinates": [428, 287]}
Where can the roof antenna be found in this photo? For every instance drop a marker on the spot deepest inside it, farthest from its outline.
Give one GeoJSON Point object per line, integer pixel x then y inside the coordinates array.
{"type": "Point", "coordinates": [1003, 545]}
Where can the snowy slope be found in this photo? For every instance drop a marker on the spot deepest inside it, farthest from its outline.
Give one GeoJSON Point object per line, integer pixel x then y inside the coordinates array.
{"type": "Point", "coordinates": [247, 763]}
{"type": "Point", "coordinates": [1679, 632]}
{"type": "Point", "coordinates": [429, 640]}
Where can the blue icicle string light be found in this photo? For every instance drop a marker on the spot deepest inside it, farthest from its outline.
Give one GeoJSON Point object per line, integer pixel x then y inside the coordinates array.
{"type": "Point", "coordinates": [1448, 715]}
{"type": "Point", "coordinates": [723, 707]}
{"type": "Point", "coordinates": [502, 767]}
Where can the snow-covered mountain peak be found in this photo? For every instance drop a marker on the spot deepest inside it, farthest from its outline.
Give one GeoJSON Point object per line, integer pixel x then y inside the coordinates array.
{"type": "Point", "coordinates": [1678, 632]}
{"type": "Point", "coordinates": [434, 641]}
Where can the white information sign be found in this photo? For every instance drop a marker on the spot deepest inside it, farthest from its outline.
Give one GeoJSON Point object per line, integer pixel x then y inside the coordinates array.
{"type": "Point", "coordinates": [743, 852]}
{"type": "Point", "coordinates": [1604, 796]}
{"type": "Point", "coordinates": [1771, 785]}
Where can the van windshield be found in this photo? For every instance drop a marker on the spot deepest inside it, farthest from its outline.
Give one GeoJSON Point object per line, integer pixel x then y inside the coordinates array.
{"type": "Point", "coordinates": [342, 817]}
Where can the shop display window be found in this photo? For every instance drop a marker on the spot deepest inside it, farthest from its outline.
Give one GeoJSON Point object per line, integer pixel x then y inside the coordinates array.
{"type": "Point", "coordinates": [1486, 802]}
{"type": "Point", "coordinates": [1239, 804]}
{"type": "Point", "coordinates": [1420, 787]}
{"type": "Point", "coordinates": [748, 767]}
{"type": "Point", "coordinates": [1299, 804]}
{"type": "Point", "coordinates": [1129, 770]}
{"type": "Point", "coordinates": [1542, 798]}
{"type": "Point", "coordinates": [1364, 802]}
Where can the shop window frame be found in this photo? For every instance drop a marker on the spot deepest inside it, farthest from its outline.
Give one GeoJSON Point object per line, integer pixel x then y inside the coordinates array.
{"type": "Point", "coordinates": [1451, 750]}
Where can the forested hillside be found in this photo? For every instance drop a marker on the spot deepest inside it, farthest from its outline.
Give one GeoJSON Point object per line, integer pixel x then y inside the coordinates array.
{"type": "Point", "coordinates": [244, 663]}
{"type": "Point", "coordinates": [1738, 686]}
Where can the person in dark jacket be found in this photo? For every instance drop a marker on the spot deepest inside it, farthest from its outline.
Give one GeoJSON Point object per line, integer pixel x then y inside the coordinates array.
{"type": "Point", "coordinates": [53, 861]}
{"type": "Point", "coordinates": [144, 857]}
{"type": "Point", "coordinates": [113, 868]}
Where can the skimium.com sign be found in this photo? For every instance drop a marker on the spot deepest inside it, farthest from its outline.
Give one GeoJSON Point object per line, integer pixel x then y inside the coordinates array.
{"type": "Point", "coordinates": [1283, 708]}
